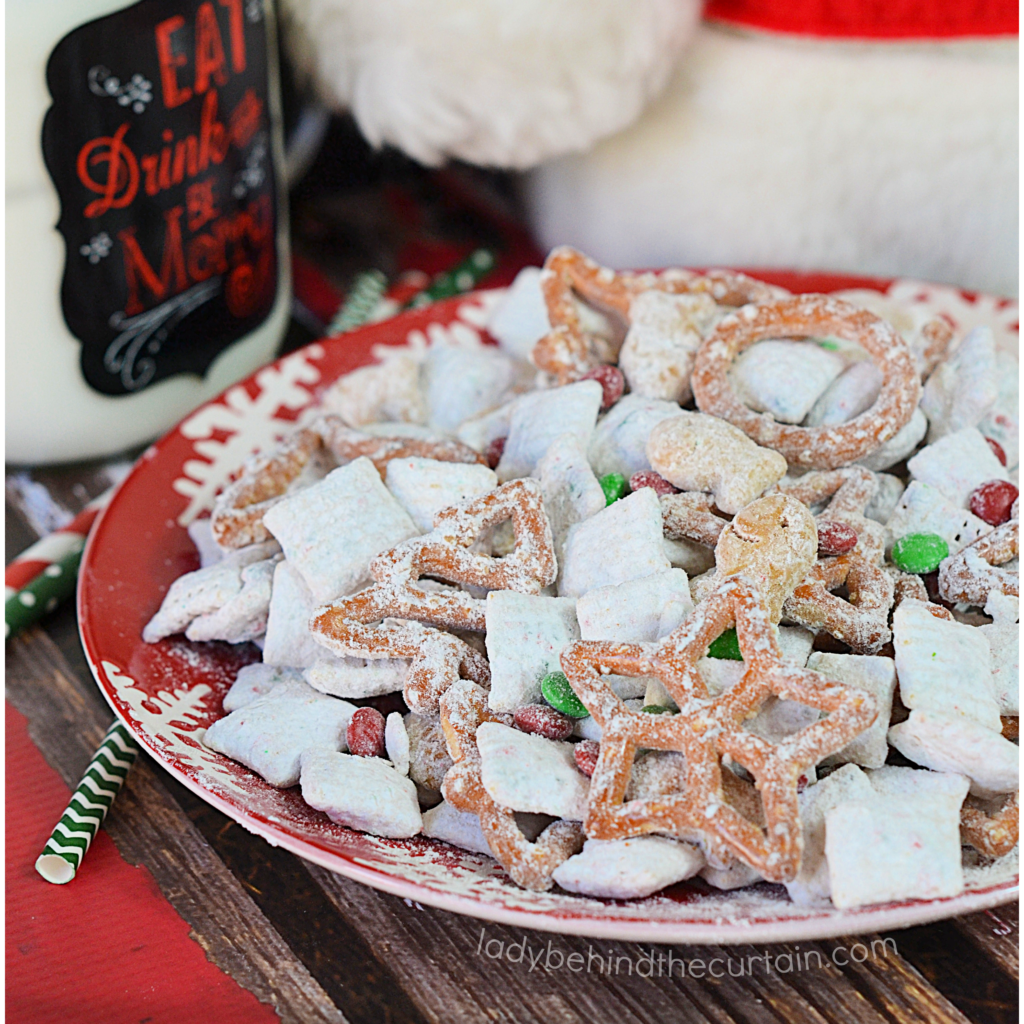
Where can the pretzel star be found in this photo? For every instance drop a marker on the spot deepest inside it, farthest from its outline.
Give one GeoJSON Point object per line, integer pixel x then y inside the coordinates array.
{"type": "Point", "coordinates": [706, 729]}
{"type": "Point", "coordinates": [531, 865]}
{"type": "Point", "coordinates": [566, 352]}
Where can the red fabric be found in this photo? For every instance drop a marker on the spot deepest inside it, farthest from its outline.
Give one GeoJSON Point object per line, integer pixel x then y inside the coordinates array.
{"type": "Point", "coordinates": [878, 19]}
{"type": "Point", "coordinates": [107, 947]}
{"type": "Point", "coordinates": [313, 290]}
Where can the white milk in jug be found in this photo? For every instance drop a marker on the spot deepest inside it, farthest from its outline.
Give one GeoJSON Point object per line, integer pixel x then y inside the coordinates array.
{"type": "Point", "coordinates": [146, 246]}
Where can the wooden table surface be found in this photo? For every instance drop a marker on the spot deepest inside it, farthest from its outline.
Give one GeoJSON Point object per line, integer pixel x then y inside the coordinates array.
{"type": "Point", "coordinates": [318, 947]}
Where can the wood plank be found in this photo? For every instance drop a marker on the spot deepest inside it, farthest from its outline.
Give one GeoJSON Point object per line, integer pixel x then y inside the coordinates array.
{"type": "Point", "coordinates": [966, 975]}
{"type": "Point", "coordinates": [66, 722]}
{"type": "Point", "coordinates": [442, 960]}
{"type": "Point", "coordinates": [996, 933]}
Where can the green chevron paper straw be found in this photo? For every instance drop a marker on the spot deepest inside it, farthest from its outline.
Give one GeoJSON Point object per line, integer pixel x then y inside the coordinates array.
{"type": "Point", "coordinates": [461, 278]}
{"type": "Point", "coordinates": [44, 593]}
{"type": "Point", "coordinates": [62, 855]}
{"type": "Point", "coordinates": [366, 291]}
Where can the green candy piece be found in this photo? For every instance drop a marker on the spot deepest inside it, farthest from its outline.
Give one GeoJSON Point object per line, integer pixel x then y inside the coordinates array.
{"type": "Point", "coordinates": [656, 709]}
{"type": "Point", "coordinates": [919, 552]}
{"type": "Point", "coordinates": [614, 486]}
{"type": "Point", "coordinates": [559, 694]}
{"type": "Point", "coordinates": [726, 646]}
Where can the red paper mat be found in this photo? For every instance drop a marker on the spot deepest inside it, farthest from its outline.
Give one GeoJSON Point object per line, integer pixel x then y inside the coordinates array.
{"type": "Point", "coordinates": [107, 948]}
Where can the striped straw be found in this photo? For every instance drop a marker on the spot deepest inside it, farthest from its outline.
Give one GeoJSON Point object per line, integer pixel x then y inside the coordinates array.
{"type": "Point", "coordinates": [363, 296]}
{"type": "Point", "coordinates": [44, 574]}
{"type": "Point", "coordinates": [461, 278]}
{"type": "Point", "coordinates": [62, 855]}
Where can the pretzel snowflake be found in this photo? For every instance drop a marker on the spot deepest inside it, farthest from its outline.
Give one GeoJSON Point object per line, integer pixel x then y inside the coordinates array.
{"type": "Point", "coordinates": [708, 729]}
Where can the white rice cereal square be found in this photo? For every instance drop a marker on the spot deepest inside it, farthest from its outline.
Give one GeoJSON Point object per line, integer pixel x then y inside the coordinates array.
{"type": "Point", "coordinates": [331, 531]}
{"type": "Point", "coordinates": [621, 543]}
{"type": "Point", "coordinates": [626, 869]}
{"type": "Point", "coordinates": [947, 743]}
{"type": "Point", "coordinates": [848, 783]}
{"type": "Point", "coordinates": [425, 486]}
{"type": "Point", "coordinates": [875, 675]}
{"type": "Point", "coordinates": [619, 441]}
{"type": "Point", "coordinates": [538, 417]}
{"type": "Point", "coordinates": [530, 773]}
{"type": "Point", "coordinates": [525, 636]}
{"type": "Point", "coordinates": [637, 610]}
{"type": "Point", "coordinates": [364, 793]}
{"type": "Point", "coordinates": [895, 846]}
{"type": "Point", "coordinates": [270, 734]}
{"type": "Point", "coordinates": [956, 464]}
{"type": "Point", "coordinates": [943, 666]}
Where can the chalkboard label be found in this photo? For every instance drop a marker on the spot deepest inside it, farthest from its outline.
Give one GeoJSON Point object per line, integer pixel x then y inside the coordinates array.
{"type": "Point", "coordinates": [158, 143]}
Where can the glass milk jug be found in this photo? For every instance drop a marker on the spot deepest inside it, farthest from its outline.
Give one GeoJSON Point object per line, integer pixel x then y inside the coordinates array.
{"type": "Point", "coordinates": [146, 246]}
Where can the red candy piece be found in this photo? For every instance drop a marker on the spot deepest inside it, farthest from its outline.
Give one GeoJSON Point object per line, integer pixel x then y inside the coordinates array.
{"type": "Point", "coordinates": [648, 478]}
{"type": "Point", "coordinates": [585, 754]}
{"type": "Point", "coordinates": [612, 382]}
{"type": "Point", "coordinates": [494, 451]}
{"type": "Point", "coordinates": [544, 721]}
{"type": "Point", "coordinates": [365, 733]}
{"type": "Point", "coordinates": [992, 501]}
{"type": "Point", "coordinates": [998, 449]}
{"type": "Point", "coordinates": [835, 538]}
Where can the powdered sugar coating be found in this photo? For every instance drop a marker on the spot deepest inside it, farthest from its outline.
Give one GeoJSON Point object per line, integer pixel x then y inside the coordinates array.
{"type": "Point", "coordinates": [661, 344]}
{"type": "Point", "coordinates": [822, 447]}
{"type": "Point", "coordinates": [638, 549]}
{"type": "Point", "coordinates": [956, 464]}
{"type": "Point", "coordinates": [623, 869]}
{"type": "Point", "coordinates": [270, 734]}
{"type": "Point", "coordinates": [891, 846]}
{"type": "Point", "coordinates": [366, 520]}
{"type": "Point", "coordinates": [976, 570]}
{"type": "Point", "coordinates": [206, 591]}
{"type": "Point", "coordinates": [783, 378]}
{"type": "Point", "coordinates": [707, 728]}
{"type": "Point", "coordinates": [952, 743]}
{"type": "Point", "coordinates": [696, 452]}
{"type": "Point", "coordinates": [365, 793]}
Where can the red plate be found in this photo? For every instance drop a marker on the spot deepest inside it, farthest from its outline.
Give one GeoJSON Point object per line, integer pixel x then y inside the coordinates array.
{"type": "Point", "coordinates": [168, 692]}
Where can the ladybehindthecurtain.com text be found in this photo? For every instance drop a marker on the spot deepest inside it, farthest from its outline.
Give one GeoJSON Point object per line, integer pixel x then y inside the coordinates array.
{"type": "Point", "coordinates": [665, 963]}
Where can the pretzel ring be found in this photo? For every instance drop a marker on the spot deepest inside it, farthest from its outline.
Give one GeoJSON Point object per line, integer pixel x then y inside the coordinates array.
{"type": "Point", "coordinates": [970, 574]}
{"type": "Point", "coordinates": [565, 352]}
{"type": "Point", "coordinates": [936, 336]}
{"type": "Point", "coordinates": [808, 316]}
{"type": "Point", "coordinates": [862, 621]}
{"type": "Point", "coordinates": [237, 518]}
{"type": "Point", "coordinates": [994, 835]}
{"type": "Point", "coordinates": [851, 490]}
{"type": "Point", "coordinates": [531, 865]}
